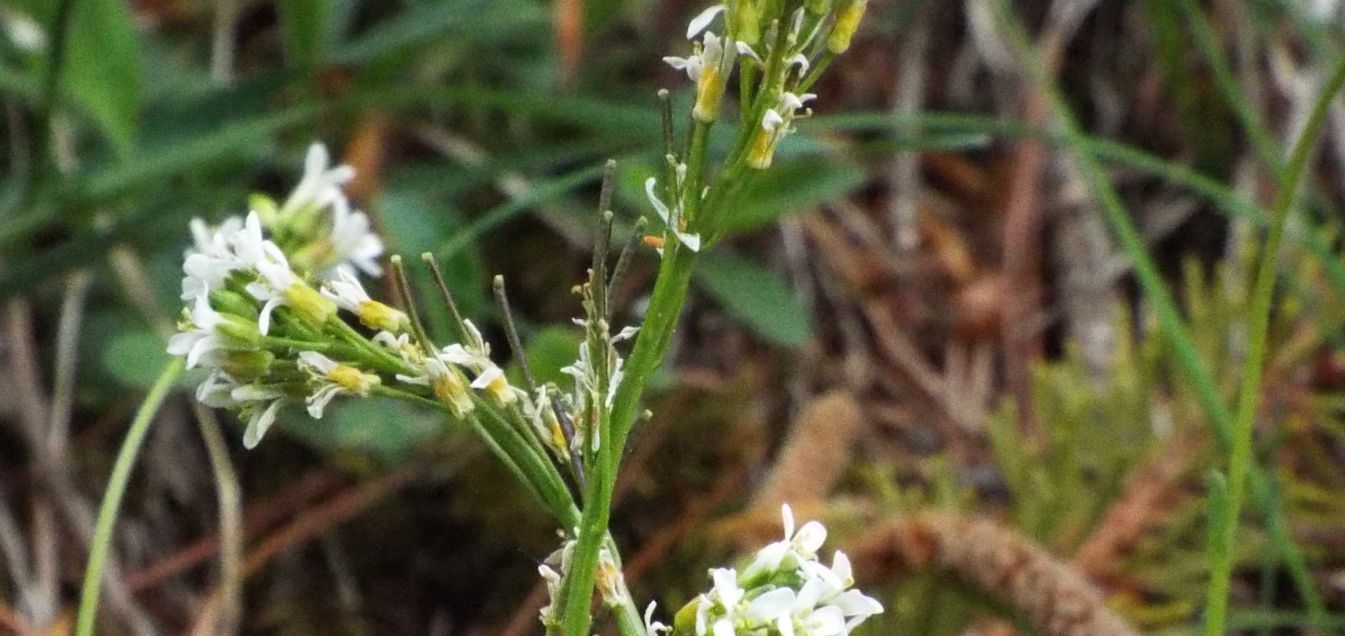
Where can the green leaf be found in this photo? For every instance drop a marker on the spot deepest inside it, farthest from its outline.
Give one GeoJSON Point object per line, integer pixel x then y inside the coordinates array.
{"type": "Point", "coordinates": [760, 298]}
{"type": "Point", "coordinates": [135, 356]}
{"type": "Point", "coordinates": [306, 26]}
{"type": "Point", "coordinates": [790, 188]}
{"type": "Point", "coordinates": [551, 349]}
{"type": "Point", "coordinates": [102, 69]}
{"type": "Point", "coordinates": [388, 430]}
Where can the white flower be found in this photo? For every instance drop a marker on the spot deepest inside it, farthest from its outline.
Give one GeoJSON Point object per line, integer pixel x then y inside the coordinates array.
{"type": "Point", "coordinates": [832, 589]}
{"type": "Point", "coordinates": [347, 292]}
{"type": "Point", "coordinates": [276, 279]}
{"type": "Point", "coordinates": [692, 241]}
{"type": "Point", "coordinates": [802, 545]}
{"type": "Point", "coordinates": [720, 605]}
{"type": "Point", "coordinates": [202, 337]}
{"type": "Point", "coordinates": [443, 381]}
{"type": "Point", "coordinates": [260, 418]}
{"type": "Point", "coordinates": [332, 378]}
{"type": "Point", "coordinates": [279, 286]}
{"type": "Point", "coordinates": [321, 183]}
{"type": "Point", "coordinates": [703, 20]}
{"type": "Point", "coordinates": [708, 54]}
{"type": "Point", "coordinates": [474, 354]}
{"type": "Point", "coordinates": [796, 612]}
{"type": "Point", "coordinates": [354, 243]}
{"type": "Point", "coordinates": [212, 257]}
{"type": "Point", "coordinates": [216, 390]}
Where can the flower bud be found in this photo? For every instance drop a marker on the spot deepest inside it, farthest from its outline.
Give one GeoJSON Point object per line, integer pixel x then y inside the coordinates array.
{"type": "Point", "coordinates": [309, 304]}
{"type": "Point", "coordinates": [761, 153]}
{"type": "Point", "coordinates": [246, 366]}
{"type": "Point", "coordinates": [451, 389]}
{"type": "Point", "coordinates": [745, 22]}
{"type": "Point", "coordinates": [239, 331]}
{"type": "Point", "coordinates": [709, 92]}
{"type": "Point", "coordinates": [847, 22]}
{"type": "Point", "coordinates": [376, 315]}
{"type": "Point", "coordinates": [227, 302]}
{"type": "Point", "coordinates": [265, 207]}
{"type": "Point", "coordinates": [353, 380]}
{"type": "Point", "coordinates": [684, 622]}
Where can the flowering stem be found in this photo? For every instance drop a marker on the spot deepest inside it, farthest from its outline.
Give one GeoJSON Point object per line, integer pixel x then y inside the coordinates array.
{"type": "Point", "coordinates": [664, 308]}
{"type": "Point", "coordinates": [1249, 399]}
{"type": "Point", "coordinates": [116, 491]}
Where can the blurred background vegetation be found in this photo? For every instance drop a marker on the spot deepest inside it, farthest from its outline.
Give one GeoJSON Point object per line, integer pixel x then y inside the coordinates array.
{"type": "Point", "coordinates": [922, 308]}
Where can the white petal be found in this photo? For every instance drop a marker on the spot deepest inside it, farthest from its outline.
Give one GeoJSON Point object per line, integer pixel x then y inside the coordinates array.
{"type": "Point", "coordinates": [181, 343]}
{"type": "Point", "coordinates": [692, 241]}
{"type": "Point", "coordinates": [203, 346]}
{"type": "Point", "coordinates": [723, 627]}
{"type": "Point", "coordinates": [318, 402]}
{"type": "Point", "coordinates": [767, 559]}
{"type": "Point", "coordinates": [811, 537]}
{"type": "Point", "coordinates": [854, 603]}
{"type": "Point", "coordinates": [771, 605]}
{"type": "Point", "coordinates": [321, 363]}
{"type": "Point", "coordinates": [787, 518]}
{"type": "Point", "coordinates": [259, 424]}
{"type": "Point", "coordinates": [802, 61]}
{"type": "Point", "coordinates": [659, 206]}
{"type": "Point", "coordinates": [489, 375]}
{"type": "Point", "coordinates": [703, 20]}
{"type": "Point", "coordinates": [746, 50]}
{"type": "Point", "coordinates": [825, 622]}
{"type": "Point", "coordinates": [264, 318]}
{"type": "Point", "coordinates": [840, 567]}
{"type": "Point", "coordinates": [809, 595]}
{"type": "Point", "coordinates": [771, 121]}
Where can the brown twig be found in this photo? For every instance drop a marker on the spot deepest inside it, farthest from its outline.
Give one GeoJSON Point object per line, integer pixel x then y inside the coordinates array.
{"type": "Point", "coordinates": [1142, 505]}
{"type": "Point", "coordinates": [258, 518]}
{"type": "Point", "coordinates": [340, 508]}
{"type": "Point", "coordinates": [1047, 593]}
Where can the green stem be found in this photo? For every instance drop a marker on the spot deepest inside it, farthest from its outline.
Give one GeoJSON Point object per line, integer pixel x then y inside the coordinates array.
{"type": "Point", "coordinates": [116, 491]}
{"type": "Point", "coordinates": [664, 308]}
{"type": "Point", "coordinates": [1240, 456]}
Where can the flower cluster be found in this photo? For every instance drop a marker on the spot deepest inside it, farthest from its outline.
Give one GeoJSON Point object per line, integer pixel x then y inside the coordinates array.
{"type": "Point", "coordinates": [785, 590]}
{"type": "Point", "coordinates": [779, 51]}
{"type": "Point", "coordinates": [267, 297]}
